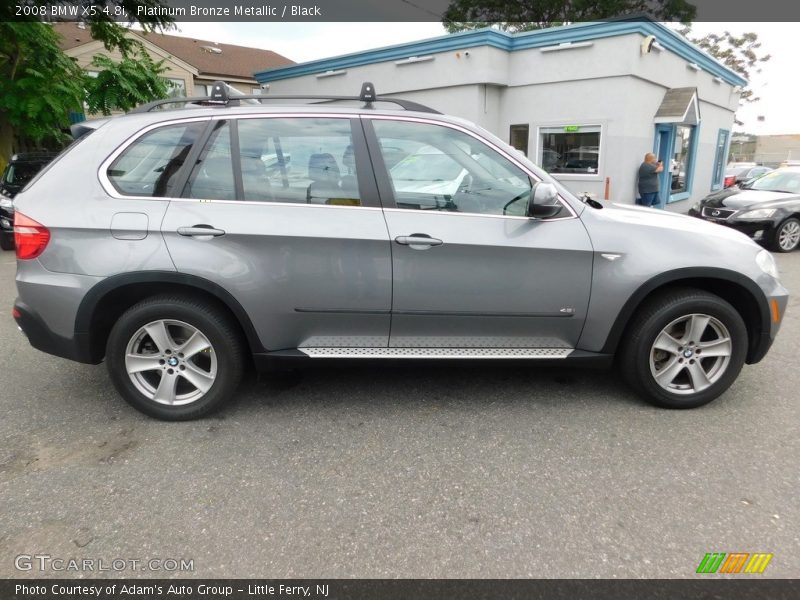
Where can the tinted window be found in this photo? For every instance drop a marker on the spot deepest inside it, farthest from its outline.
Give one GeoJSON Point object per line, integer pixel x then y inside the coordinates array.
{"type": "Point", "coordinates": [438, 168]}
{"type": "Point", "coordinates": [148, 167]}
{"type": "Point", "coordinates": [571, 149]}
{"type": "Point", "coordinates": [212, 176]}
{"type": "Point", "coordinates": [18, 174]}
{"type": "Point", "coordinates": [298, 160]}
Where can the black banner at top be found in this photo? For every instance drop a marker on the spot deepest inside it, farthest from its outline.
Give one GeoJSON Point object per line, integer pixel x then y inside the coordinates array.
{"type": "Point", "coordinates": [542, 11]}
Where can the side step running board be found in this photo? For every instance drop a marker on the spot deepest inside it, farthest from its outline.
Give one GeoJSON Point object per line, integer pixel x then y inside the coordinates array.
{"type": "Point", "coordinates": [482, 353]}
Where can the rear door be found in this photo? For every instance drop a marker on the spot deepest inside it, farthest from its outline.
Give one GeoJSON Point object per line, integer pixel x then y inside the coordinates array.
{"type": "Point", "coordinates": [470, 269]}
{"type": "Point", "coordinates": [282, 212]}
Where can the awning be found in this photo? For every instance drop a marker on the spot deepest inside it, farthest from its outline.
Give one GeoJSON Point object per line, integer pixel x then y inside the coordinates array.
{"type": "Point", "coordinates": [679, 106]}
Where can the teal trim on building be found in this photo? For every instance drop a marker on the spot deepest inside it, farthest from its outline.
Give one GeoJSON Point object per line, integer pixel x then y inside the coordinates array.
{"type": "Point", "coordinates": [578, 32]}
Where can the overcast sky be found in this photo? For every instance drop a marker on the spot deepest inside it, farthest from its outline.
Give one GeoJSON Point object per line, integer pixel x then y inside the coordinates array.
{"type": "Point", "coordinates": [776, 84]}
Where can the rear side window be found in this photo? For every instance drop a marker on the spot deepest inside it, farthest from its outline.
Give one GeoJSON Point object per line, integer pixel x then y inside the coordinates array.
{"type": "Point", "coordinates": [300, 160]}
{"type": "Point", "coordinates": [149, 166]}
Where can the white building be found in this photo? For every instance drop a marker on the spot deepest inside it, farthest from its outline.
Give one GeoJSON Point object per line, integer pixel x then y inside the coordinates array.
{"type": "Point", "coordinates": [586, 101]}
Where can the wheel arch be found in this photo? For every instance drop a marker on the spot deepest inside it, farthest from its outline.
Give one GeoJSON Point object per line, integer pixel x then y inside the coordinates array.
{"type": "Point", "coordinates": [740, 291]}
{"type": "Point", "coordinates": [106, 301]}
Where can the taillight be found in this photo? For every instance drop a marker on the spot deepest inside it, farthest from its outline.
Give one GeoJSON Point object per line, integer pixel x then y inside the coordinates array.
{"type": "Point", "coordinates": [729, 181]}
{"type": "Point", "coordinates": [30, 237]}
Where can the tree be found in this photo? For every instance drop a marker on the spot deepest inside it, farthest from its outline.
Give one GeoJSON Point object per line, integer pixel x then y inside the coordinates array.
{"type": "Point", "coordinates": [40, 85]}
{"type": "Point", "coordinates": [525, 15]}
{"type": "Point", "coordinates": [126, 84]}
{"type": "Point", "coordinates": [740, 53]}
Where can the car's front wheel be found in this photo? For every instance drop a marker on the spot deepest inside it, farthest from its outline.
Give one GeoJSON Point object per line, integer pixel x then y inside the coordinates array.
{"type": "Point", "coordinates": [684, 348]}
{"type": "Point", "coordinates": [175, 358]}
{"type": "Point", "coordinates": [787, 236]}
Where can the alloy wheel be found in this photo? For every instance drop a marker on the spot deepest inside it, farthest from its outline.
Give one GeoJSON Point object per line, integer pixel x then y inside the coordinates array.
{"type": "Point", "coordinates": [171, 362]}
{"type": "Point", "coordinates": [690, 354]}
{"type": "Point", "coordinates": [789, 235]}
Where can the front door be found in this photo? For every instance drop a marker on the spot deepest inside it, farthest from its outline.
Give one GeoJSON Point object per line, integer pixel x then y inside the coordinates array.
{"type": "Point", "coordinates": [470, 270]}
{"type": "Point", "coordinates": [665, 139]}
{"type": "Point", "coordinates": [278, 211]}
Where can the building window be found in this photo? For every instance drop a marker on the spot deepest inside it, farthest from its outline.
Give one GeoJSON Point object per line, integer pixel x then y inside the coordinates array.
{"type": "Point", "coordinates": [573, 149]}
{"type": "Point", "coordinates": [518, 138]}
{"type": "Point", "coordinates": [682, 159]}
{"type": "Point", "coordinates": [719, 159]}
{"type": "Point", "coordinates": [176, 88]}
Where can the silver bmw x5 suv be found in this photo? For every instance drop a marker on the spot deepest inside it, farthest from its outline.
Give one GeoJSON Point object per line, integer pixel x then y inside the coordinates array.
{"type": "Point", "coordinates": [182, 245]}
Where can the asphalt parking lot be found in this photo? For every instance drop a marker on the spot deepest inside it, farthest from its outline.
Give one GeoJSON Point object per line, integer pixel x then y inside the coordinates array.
{"type": "Point", "coordinates": [401, 471]}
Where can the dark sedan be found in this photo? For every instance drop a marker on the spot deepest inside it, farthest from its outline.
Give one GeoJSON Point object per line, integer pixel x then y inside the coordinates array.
{"type": "Point", "coordinates": [17, 174]}
{"type": "Point", "coordinates": [767, 209]}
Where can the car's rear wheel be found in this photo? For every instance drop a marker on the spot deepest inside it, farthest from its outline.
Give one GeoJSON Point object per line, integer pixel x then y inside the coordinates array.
{"type": "Point", "coordinates": [787, 236]}
{"type": "Point", "coordinates": [175, 358]}
{"type": "Point", "coordinates": [6, 240]}
{"type": "Point", "coordinates": [684, 348]}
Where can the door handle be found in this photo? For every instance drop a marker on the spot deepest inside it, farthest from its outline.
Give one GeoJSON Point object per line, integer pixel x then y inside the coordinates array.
{"type": "Point", "coordinates": [200, 230]}
{"type": "Point", "coordinates": [418, 239]}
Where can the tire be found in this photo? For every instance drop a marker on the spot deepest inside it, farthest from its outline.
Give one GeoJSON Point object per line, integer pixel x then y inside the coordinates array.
{"type": "Point", "coordinates": [681, 384]}
{"type": "Point", "coordinates": [7, 241]}
{"type": "Point", "coordinates": [787, 236]}
{"type": "Point", "coordinates": [197, 381]}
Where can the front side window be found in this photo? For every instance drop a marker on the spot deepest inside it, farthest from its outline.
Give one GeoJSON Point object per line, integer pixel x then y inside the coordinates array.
{"type": "Point", "coordinates": [571, 149]}
{"type": "Point", "coordinates": [148, 167]}
{"type": "Point", "coordinates": [300, 160]}
{"type": "Point", "coordinates": [432, 167]}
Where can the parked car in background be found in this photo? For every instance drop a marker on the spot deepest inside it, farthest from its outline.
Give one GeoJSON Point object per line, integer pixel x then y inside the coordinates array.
{"type": "Point", "coordinates": [19, 171]}
{"type": "Point", "coordinates": [790, 162]}
{"type": "Point", "coordinates": [158, 245]}
{"type": "Point", "coordinates": [767, 209]}
{"type": "Point", "coordinates": [740, 174]}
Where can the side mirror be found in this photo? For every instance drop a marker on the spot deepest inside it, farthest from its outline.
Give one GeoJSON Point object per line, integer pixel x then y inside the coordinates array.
{"type": "Point", "coordinates": [544, 201]}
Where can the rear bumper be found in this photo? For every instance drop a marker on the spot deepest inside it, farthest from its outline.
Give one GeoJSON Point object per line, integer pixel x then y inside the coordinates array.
{"type": "Point", "coordinates": [42, 338]}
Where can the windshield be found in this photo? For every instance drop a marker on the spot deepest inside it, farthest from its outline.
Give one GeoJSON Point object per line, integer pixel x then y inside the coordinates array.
{"type": "Point", "coordinates": [778, 181]}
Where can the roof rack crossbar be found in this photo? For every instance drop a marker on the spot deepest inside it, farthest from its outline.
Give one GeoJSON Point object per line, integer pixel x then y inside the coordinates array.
{"type": "Point", "coordinates": [233, 100]}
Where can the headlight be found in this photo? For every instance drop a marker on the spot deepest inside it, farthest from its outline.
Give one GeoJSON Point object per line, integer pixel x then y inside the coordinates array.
{"type": "Point", "coordinates": [760, 213]}
{"type": "Point", "coordinates": [697, 207]}
{"type": "Point", "coordinates": [6, 203]}
{"type": "Point", "coordinates": [766, 262]}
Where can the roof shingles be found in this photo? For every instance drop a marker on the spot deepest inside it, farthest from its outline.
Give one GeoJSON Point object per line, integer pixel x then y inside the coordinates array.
{"type": "Point", "coordinates": [232, 61]}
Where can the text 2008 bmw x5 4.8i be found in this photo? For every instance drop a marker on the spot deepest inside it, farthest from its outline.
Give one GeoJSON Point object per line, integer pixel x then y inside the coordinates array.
{"type": "Point", "coordinates": [179, 244]}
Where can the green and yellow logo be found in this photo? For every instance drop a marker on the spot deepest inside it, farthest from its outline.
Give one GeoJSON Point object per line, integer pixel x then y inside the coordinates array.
{"type": "Point", "coordinates": [734, 562]}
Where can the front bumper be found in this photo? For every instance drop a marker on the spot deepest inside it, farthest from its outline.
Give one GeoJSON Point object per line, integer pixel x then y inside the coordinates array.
{"type": "Point", "coordinates": [759, 231]}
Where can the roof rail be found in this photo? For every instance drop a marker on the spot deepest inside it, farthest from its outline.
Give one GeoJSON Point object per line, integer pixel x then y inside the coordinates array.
{"type": "Point", "coordinates": [221, 96]}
